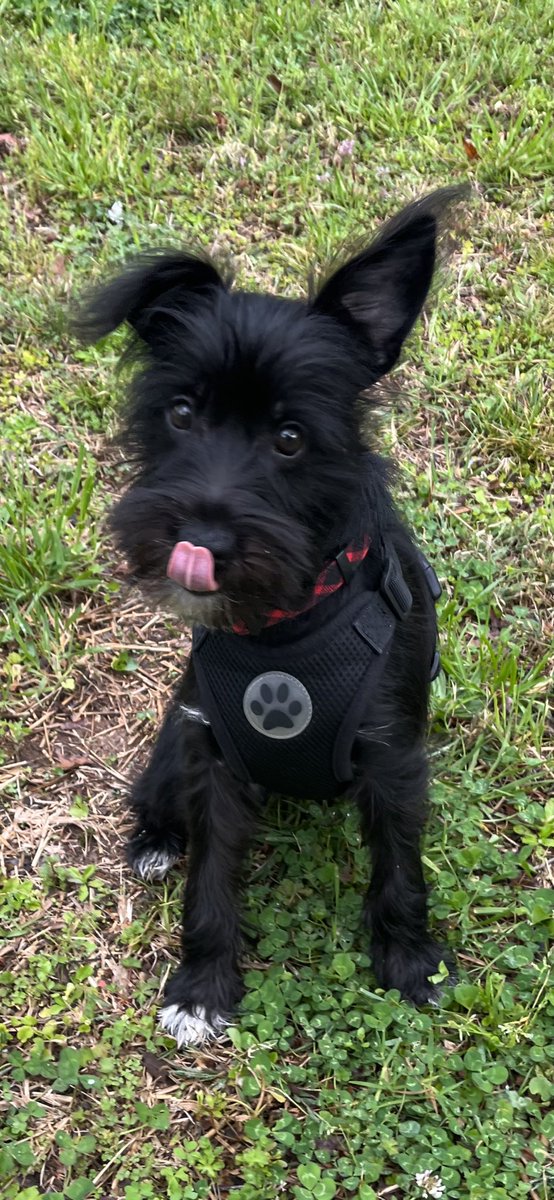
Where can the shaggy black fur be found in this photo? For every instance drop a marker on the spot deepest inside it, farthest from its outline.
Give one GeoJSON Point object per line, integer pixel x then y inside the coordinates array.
{"type": "Point", "coordinates": [224, 377]}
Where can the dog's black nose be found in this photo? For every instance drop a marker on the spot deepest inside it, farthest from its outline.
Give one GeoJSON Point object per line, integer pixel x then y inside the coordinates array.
{"type": "Point", "coordinates": [219, 540]}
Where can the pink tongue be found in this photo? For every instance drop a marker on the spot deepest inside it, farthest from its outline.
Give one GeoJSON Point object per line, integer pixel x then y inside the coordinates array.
{"type": "Point", "coordinates": [192, 567]}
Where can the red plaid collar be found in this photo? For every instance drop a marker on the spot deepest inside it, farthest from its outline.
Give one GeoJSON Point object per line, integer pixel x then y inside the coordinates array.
{"type": "Point", "coordinates": [331, 578]}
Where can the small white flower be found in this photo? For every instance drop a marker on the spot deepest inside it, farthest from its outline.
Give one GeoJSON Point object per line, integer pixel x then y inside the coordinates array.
{"type": "Point", "coordinates": [115, 213]}
{"type": "Point", "coordinates": [431, 1185]}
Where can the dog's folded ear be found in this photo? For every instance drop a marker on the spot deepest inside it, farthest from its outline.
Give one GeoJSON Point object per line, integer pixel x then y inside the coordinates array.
{"type": "Point", "coordinates": [380, 292]}
{"type": "Point", "coordinates": [150, 290]}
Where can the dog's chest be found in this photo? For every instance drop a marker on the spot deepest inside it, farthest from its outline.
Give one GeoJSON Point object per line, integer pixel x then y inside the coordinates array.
{"type": "Point", "coordinates": [285, 715]}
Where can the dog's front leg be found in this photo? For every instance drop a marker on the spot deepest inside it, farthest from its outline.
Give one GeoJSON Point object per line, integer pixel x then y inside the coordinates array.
{"type": "Point", "coordinates": [158, 804]}
{"type": "Point", "coordinates": [204, 992]}
{"type": "Point", "coordinates": [392, 803]}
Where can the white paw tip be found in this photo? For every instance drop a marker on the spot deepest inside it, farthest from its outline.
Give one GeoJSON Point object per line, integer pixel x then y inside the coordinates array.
{"type": "Point", "coordinates": [190, 1028]}
{"type": "Point", "coordinates": [153, 864]}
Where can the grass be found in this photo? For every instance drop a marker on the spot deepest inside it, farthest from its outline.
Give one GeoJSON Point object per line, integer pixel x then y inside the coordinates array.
{"type": "Point", "coordinates": [222, 122]}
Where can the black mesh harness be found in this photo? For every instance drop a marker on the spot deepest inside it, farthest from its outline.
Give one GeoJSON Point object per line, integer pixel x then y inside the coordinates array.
{"type": "Point", "coordinates": [285, 715]}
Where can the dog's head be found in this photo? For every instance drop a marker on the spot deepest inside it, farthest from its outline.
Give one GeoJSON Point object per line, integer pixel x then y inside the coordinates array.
{"type": "Point", "coordinates": [244, 419]}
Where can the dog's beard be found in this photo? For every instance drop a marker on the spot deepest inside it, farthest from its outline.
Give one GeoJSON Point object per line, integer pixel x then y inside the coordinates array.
{"type": "Point", "coordinates": [274, 568]}
{"type": "Point", "coordinates": [193, 608]}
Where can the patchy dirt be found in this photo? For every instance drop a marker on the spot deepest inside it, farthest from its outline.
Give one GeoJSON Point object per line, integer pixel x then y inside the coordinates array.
{"type": "Point", "coordinates": [89, 743]}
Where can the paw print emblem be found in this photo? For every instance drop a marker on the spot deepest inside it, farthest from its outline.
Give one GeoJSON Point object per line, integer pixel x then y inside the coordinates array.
{"type": "Point", "coordinates": [277, 705]}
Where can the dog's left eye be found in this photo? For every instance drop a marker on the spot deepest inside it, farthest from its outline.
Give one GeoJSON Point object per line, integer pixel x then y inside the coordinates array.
{"type": "Point", "coordinates": [180, 415]}
{"type": "Point", "coordinates": [289, 440]}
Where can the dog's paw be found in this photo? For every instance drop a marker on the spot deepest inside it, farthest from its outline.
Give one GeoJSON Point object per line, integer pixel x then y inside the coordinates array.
{"type": "Point", "coordinates": [151, 857]}
{"type": "Point", "coordinates": [199, 1001]}
{"type": "Point", "coordinates": [191, 1027]}
{"type": "Point", "coordinates": [412, 970]}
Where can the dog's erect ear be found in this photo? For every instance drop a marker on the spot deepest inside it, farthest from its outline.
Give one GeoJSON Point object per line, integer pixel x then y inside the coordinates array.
{"type": "Point", "coordinates": [152, 289]}
{"type": "Point", "coordinates": [380, 292]}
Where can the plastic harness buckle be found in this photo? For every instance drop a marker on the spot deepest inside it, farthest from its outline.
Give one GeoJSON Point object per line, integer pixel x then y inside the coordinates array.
{"type": "Point", "coordinates": [430, 578]}
{"type": "Point", "coordinates": [393, 586]}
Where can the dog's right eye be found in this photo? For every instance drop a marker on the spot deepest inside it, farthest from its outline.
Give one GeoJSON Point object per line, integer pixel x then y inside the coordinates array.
{"type": "Point", "coordinates": [289, 440]}
{"type": "Point", "coordinates": [180, 415]}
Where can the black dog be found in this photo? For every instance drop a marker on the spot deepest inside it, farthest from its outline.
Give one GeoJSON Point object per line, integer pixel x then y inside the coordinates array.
{"type": "Point", "coordinates": [258, 511]}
